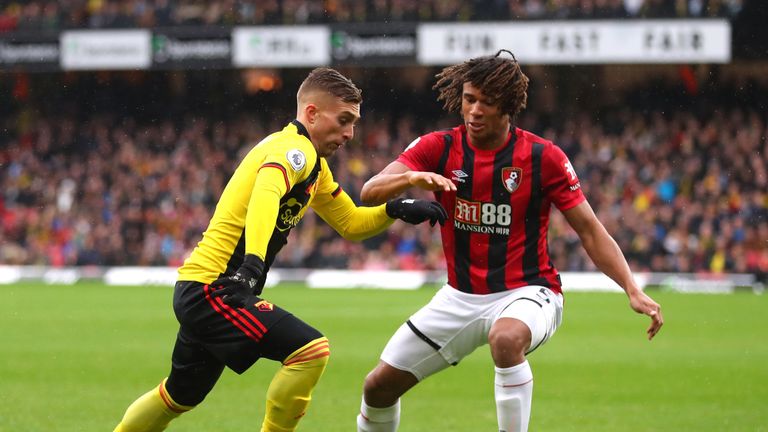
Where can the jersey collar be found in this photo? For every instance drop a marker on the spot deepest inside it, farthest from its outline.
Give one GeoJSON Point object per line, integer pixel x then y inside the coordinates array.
{"type": "Point", "coordinates": [511, 136]}
{"type": "Point", "coordinates": [301, 129]}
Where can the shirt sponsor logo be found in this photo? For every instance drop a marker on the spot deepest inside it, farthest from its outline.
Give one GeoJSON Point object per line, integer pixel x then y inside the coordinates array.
{"type": "Point", "coordinates": [297, 159]}
{"type": "Point", "coordinates": [482, 217]}
{"type": "Point", "coordinates": [482, 229]}
{"type": "Point", "coordinates": [573, 179]}
{"type": "Point", "coordinates": [467, 212]}
{"type": "Point", "coordinates": [511, 177]}
{"type": "Point", "coordinates": [289, 215]}
{"type": "Point", "coordinates": [569, 169]}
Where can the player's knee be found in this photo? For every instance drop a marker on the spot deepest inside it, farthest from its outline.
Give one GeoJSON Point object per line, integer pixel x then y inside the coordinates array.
{"type": "Point", "coordinates": [374, 389]}
{"type": "Point", "coordinates": [322, 361]}
{"type": "Point", "coordinates": [381, 389]}
{"type": "Point", "coordinates": [315, 353]}
{"type": "Point", "coordinates": [312, 363]}
{"type": "Point", "coordinates": [288, 338]}
{"type": "Point", "coordinates": [509, 342]}
{"type": "Point", "coordinates": [293, 384]}
{"type": "Point", "coordinates": [373, 384]}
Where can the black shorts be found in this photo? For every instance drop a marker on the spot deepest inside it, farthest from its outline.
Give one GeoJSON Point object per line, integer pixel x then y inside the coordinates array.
{"type": "Point", "coordinates": [237, 337]}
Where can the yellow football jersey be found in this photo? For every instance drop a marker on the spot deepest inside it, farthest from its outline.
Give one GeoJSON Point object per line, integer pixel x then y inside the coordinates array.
{"type": "Point", "coordinates": [268, 194]}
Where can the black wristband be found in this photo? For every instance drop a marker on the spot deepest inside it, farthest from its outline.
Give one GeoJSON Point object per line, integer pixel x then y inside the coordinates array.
{"type": "Point", "coordinates": [392, 208]}
{"type": "Point", "coordinates": [252, 267]}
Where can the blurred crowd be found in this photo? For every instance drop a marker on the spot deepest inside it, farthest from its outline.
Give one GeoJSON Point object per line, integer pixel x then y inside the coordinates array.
{"type": "Point", "coordinates": [682, 190]}
{"type": "Point", "coordinates": [679, 193]}
{"type": "Point", "coordinates": [58, 14]}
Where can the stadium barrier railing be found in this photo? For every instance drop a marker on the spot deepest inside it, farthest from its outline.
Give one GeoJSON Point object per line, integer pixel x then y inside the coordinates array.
{"type": "Point", "coordinates": [703, 283]}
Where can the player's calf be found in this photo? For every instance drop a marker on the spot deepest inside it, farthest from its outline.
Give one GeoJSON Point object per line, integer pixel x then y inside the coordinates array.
{"type": "Point", "coordinates": [513, 391]}
{"type": "Point", "coordinates": [151, 412]}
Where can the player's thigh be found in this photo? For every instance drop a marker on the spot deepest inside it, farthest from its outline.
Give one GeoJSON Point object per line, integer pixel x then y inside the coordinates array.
{"type": "Point", "coordinates": [237, 337]}
{"type": "Point", "coordinates": [410, 352]}
{"type": "Point", "coordinates": [286, 337]}
{"type": "Point", "coordinates": [455, 323]}
{"type": "Point", "coordinates": [539, 308]}
{"type": "Point", "coordinates": [194, 371]}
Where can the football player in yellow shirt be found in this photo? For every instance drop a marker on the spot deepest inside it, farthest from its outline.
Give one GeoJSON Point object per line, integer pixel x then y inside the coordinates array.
{"type": "Point", "coordinates": [223, 320]}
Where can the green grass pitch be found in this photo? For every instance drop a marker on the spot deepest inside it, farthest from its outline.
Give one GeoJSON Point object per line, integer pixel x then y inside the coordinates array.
{"type": "Point", "coordinates": [74, 357]}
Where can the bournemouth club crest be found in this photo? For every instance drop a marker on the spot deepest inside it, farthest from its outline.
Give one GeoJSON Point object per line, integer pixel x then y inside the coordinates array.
{"type": "Point", "coordinates": [511, 178]}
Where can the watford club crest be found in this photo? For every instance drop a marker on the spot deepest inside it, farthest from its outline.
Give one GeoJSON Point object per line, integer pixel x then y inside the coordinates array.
{"type": "Point", "coordinates": [264, 306]}
{"type": "Point", "coordinates": [511, 177]}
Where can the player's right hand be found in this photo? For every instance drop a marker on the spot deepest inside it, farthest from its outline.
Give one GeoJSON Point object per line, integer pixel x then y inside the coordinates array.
{"type": "Point", "coordinates": [416, 211]}
{"type": "Point", "coordinates": [235, 290]}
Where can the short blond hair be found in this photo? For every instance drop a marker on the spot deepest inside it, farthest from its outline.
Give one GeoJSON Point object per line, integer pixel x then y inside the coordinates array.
{"type": "Point", "coordinates": [332, 82]}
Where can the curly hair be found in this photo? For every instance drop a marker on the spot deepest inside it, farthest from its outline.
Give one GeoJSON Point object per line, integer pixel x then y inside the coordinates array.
{"type": "Point", "coordinates": [499, 77]}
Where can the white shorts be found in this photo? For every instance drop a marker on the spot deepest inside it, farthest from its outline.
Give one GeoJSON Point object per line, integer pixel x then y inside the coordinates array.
{"type": "Point", "coordinates": [455, 323]}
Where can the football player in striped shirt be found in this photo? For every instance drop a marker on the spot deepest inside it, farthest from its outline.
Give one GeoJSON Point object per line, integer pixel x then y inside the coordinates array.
{"type": "Point", "coordinates": [224, 322]}
{"type": "Point", "coordinates": [497, 183]}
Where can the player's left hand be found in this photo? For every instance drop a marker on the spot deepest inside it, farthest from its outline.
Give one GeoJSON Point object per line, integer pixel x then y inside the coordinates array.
{"type": "Point", "coordinates": [416, 211]}
{"type": "Point", "coordinates": [642, 303]}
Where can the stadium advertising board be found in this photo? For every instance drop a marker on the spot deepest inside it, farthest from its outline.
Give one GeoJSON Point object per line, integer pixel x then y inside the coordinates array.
{"type": "Point", "coordinates": [35, 53]}
{"type": "Point", "coordinates": [725, 283]}
{"type": "Point", "coordinates": [572, 42]}
{"type": "Point", "coordinates": [367, 45]}
{"type": "Point", "coordinates": [294, 46]}
{"type": "Point", "coordinates": [106, 49]}
{"type": "Point", "coordinates": [191, 49]}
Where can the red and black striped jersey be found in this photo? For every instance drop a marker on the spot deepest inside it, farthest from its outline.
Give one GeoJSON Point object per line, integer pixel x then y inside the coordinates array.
{"type": "Point", "coordinates": [495, 238]}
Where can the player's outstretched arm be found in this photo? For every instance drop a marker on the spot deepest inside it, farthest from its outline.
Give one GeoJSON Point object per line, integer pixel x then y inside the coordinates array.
{"type": "Point", "coordinates": [607, 256]}
{"type": "Point", "coordinates": [397, 178]}
{"type": "Point", "coordinates": [359, 223]}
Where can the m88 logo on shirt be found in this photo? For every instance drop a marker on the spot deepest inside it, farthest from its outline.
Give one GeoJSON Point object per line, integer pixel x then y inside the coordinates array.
{"type": "Point", "coordinates": [482, 217]}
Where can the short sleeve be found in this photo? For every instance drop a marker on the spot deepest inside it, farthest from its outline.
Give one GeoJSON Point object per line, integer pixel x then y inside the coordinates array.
{"type": "Point", "coordinates": [560, 181]}
{"type": "Point", "coordinates": [423, 153]}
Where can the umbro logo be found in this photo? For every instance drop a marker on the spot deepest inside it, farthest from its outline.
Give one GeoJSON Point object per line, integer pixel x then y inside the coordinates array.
{"type": "Point", "coordinates": [459, 175]}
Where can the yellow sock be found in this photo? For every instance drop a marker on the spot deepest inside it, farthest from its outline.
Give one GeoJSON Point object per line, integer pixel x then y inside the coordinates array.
{"type": "Point", "coordinates": [151, 412]}
{"type": "Point", "coordinates": [291, 388]}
